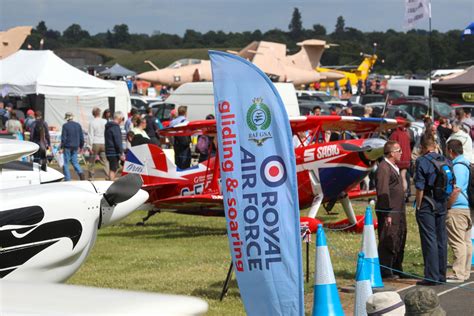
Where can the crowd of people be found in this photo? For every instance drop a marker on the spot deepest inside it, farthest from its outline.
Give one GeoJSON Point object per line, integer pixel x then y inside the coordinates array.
{"type": "Point", "coordinates": [103, 139]}
{"type": "Point", "coordinates": [439, 165]}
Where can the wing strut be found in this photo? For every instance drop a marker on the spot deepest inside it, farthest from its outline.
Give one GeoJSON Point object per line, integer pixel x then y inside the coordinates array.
{"type": "Point", "coordinates": [318, 194]}
{"type": "Point", "coordinates": [347, 206]}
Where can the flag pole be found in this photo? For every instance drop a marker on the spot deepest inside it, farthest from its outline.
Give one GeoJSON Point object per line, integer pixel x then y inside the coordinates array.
{"type": "Point", "coordinates": [431, 105]}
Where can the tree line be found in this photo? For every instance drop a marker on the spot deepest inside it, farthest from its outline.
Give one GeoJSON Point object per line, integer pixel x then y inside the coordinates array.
{"type": "Point", "coordinates": [401, 52]}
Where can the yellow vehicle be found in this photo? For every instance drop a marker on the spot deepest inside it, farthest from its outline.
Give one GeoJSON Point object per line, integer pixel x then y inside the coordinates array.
{"type": "Point", "coordinates": [362, 72]}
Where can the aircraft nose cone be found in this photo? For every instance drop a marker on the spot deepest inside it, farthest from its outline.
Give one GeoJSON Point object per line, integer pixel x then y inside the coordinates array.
{"type": "Point", "coordinates": [121, 210]}
{"type": "Point", "coordinates": [376, 145]}
{"type": "Point", "coordinates": [331, 76]}
{"type": "Point", "coordinates": [151, 76]}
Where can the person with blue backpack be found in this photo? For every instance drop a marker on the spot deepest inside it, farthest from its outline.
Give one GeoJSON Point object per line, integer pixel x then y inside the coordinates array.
{"type": "Point", "coordinates": [434, 183]}
{"type": "Point", "coordinates": [458, 220]}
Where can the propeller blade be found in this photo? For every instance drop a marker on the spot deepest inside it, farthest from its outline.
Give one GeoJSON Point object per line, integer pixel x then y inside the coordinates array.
{"type": "Point", "coordinates": [123, 189]}
{"type": "Point", "coordinates": [354, 148]}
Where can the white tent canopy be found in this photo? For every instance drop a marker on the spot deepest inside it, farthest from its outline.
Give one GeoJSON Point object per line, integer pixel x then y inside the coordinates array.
{"type": "Point", "coordinates": [42, 72]}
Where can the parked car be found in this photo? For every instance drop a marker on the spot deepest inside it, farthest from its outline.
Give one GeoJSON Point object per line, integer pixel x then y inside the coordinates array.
{"type": "Point", "coordinates": [162, 110]}
{"type": "Point", "coordinates": [306, 107]}
{"type": "Point", "coordinates": [367, 98]}
{"type": "Point", "coordinates": [419, 107]}
{"type": "Point", "coordinates": [321, 97]}
{"type": "Point", "coordinates": [141, 102]}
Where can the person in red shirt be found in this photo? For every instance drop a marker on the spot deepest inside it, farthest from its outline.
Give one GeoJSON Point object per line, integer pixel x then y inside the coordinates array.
{"type": "Point", "coordinates": [402, 136]}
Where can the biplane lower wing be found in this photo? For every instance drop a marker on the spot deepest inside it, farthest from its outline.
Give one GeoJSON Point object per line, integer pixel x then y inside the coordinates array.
{"type": "Point", "coordinates": [199, 204]}
{"type": "Point", "coordinates": [359, 194]}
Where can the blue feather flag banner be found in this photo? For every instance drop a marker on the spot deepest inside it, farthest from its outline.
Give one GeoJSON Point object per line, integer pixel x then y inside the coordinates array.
{"type": "Point", "coordinates": [469, 30]}
{"type": "Point", "coordinates": [258, 175]}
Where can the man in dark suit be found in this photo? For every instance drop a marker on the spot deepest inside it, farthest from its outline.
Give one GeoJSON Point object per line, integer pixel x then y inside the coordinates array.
{"type": "Point", "coordinates": [390, 210]}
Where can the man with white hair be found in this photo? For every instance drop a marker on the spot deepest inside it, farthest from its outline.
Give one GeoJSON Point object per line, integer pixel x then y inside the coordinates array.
{"type": "Point", "coordinates": [113, 143]}
{"type": "Point", "coordinates": [96, 143]}
{"type": "Point", "coordinates": [464, 138]}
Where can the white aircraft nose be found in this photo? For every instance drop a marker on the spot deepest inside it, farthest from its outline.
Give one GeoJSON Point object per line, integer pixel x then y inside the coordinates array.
{"type": "Point", "coordinates": [376, 145]}
{"type": "Point", "coordinates": [111, 215]}
{"type": "Point", "coordinates": [50, 175]}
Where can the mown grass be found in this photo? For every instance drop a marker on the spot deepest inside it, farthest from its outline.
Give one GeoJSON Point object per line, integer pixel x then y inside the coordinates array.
{"type": "Point", "coordinates": [189, 255]}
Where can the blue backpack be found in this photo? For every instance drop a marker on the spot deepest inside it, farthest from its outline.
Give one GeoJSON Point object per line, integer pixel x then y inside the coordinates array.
{"type": "Point", "coordinates": [444, 182]}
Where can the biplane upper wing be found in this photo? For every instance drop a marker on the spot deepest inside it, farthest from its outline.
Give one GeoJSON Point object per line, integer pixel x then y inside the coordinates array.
{"type": "Point", "coordinates": [12, 149]}
{"type": "Point", "coordinates": [358, 125]}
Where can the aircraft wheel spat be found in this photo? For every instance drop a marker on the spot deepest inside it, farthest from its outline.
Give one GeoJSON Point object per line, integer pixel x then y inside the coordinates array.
{"type": "Point", "coordinates": [363, 289]}
{"type": "Point", "coordinates": [369, 248]}
{"type": "Point", "coordinates": [326, 297]}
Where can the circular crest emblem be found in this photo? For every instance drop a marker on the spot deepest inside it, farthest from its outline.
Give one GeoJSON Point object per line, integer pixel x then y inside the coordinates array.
{"type": "Point", "coordinates": [273, 171]}
{"type": "Point", "coordinates": [258, 115]}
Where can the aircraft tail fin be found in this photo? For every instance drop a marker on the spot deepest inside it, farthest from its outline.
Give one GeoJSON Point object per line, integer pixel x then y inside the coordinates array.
{"type": "Point", "coordinates": [310, 54]}
{"type": "Point", "coordinates": [150, 161]}
{"type": "Point", "coordinates": [366, 65]}
{"type": "Point", "coordinates": [248, 52]}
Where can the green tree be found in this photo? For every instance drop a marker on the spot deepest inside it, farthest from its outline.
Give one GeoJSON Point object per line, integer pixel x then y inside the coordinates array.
{"type": "Point", "coordinates": [340, 25]}
{"type": "Point", "coordinates": [296, 25]}
{"type": "Point", "coordinates": [121, 36]}
{"type": "Point", "coordinates": [74, 34]}
{"type": "Point", "coordinates": [319, 30]}
{"type": "Point", "coordinates": [41, 28]}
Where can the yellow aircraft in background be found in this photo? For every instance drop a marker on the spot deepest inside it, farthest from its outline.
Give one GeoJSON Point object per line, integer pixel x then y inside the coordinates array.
{"type": "Point", "coordinates": [361, 73]}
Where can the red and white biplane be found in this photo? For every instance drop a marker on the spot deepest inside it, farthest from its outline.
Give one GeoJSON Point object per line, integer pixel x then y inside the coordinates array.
{"type": "Point", "coordinates": [326, 171]}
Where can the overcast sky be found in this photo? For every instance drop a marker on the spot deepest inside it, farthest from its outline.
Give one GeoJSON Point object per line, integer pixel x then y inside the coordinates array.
{"type": "Point", "coordinates": [175, 16]}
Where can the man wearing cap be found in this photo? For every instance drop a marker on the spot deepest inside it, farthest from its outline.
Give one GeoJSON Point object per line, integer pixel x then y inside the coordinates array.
{"type": "Point", "coordinates": [423, 301]}
{"type": "Point", "coordinates": [29, 120]}
{"type": "Point", "coordinates": [72, 140]}
{"type": "Point", "coordinates": [385, 303]}
{"type": "Point", "coordinates": [390, 210]}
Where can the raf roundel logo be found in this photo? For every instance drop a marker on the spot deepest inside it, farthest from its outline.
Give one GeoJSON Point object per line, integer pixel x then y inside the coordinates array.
{"type": "Point", "coordinates": [259, 119]}
{"type": "Point", "coordinates": [273, 171]}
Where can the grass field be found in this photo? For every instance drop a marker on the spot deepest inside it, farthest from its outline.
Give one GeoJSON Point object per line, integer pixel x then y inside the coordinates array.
{"type": "Point", "coordinates": [179, 254]}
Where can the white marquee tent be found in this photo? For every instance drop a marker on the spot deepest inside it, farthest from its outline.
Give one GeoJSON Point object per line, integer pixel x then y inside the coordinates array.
{"type": "Point", "coordinates": [42, 72]}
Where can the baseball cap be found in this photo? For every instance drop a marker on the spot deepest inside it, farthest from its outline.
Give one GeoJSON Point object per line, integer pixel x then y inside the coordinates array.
{"type": "Point", "coordinates": [68, 116]}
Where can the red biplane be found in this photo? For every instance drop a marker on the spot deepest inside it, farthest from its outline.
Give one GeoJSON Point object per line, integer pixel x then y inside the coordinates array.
{"type": "Point", "coordinates": [326, 171]}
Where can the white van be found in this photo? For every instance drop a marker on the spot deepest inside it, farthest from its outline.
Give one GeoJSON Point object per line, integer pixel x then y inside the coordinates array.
{"type": "Point", "coordinates": [199, 98]}
{"type": "Point", "coordinates": [410, 87]}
